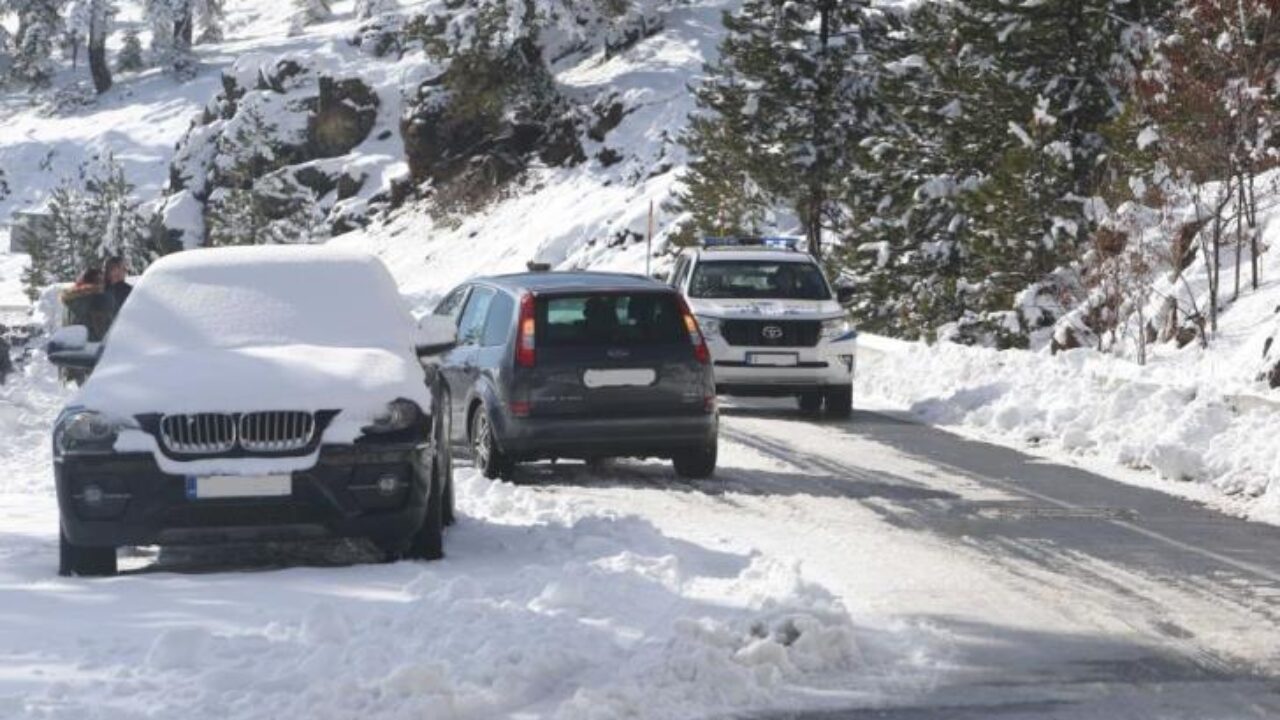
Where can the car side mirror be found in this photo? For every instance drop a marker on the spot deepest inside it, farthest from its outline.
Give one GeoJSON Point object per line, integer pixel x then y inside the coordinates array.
{"type": "Point", "coordinates": [71, 337]}
{"type": "Point", "coordinates": [436, 334]}
{"type": "Point", "coordinates": [83, 359]}
{"type": "Point", "coordinates": [844, 294]}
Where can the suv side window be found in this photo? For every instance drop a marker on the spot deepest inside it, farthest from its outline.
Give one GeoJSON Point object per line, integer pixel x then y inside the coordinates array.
{"type": "Point", "coordinates": [471, 327]}
{"type": "Point", "coordinates": [498, 326]}
{"type": "Point", "coordinates": [451, 305]}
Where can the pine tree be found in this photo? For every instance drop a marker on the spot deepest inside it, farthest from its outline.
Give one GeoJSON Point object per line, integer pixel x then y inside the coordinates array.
{"type": "Point", "coordinates": [6, 55]}
{"type": "Point", "coordinates": [94, 216]}
{"type": "Point", "coordinates": [810, 81]}
{"type": "Point", "coordinates": [39, 27]}
{"type": "Point", "coordinates": [130, 57]}
{"type": "Point", "coordinates": [310, 12]}
{"type": "Point", "coordinates": [366, 9]}
{"type": "Point", "coordinates": [172, 33]}
{"type": "Point", "coordinates": [208, 15]}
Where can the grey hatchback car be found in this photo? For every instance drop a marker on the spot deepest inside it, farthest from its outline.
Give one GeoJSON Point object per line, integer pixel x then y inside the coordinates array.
{"type": "Point", "coordinates": [577, 365]}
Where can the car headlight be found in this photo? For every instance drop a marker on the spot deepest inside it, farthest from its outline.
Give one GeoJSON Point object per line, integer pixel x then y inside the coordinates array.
{"type": "Point", "coordinates": [86, 430]}
{"type": "Point", "coordinates": [398, 415]}
{"type": "Point", "coordinates": [835, 327]}
{"type": "Point", "coordinates": [708, 324]}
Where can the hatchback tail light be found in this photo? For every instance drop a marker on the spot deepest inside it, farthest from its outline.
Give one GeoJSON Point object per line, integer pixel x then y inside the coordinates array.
{"type": "Point", "coordinates": [700, 350]}
{"type": "Point", "coordinates": [525, 341]}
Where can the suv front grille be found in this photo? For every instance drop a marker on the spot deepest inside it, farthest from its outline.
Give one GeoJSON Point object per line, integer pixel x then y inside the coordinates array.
{"type": "Point", "coordinates": [218, 433]}
{"type": "Point", "coordinates": [201, 434]}
{"type": "Point", "coordinates": [276, 432]}
{"type": "Point", "coordinates": [771, 333]}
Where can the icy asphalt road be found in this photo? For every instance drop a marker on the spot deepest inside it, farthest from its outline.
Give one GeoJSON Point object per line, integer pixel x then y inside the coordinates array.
{"type": "Point", "coordinates": [864, 569]}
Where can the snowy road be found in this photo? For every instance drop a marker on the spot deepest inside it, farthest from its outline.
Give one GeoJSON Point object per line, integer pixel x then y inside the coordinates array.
{"type": "Point", "coordinates": [872, 568]}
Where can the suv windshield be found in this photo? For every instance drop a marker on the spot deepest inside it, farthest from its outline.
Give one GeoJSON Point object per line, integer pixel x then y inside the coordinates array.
{"type": "Point", "coordinates": [759, 279]}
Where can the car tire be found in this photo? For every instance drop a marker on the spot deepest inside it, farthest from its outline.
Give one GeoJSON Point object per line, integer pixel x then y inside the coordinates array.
{"type": "Point", "coordinates": [444, 453]}
{"type": "Point", "coordinates": [839, 401]}
{"type": "Point", "coordinates": [488, 458]}
{"type": "Point", "coordinates": [428, 542]}
{"type": "Point", "coordinates": [810, 403]}
{"type": "Point", "coordinates": [84, 561]}
{"type": "Point", "coordinates": [697, 464]}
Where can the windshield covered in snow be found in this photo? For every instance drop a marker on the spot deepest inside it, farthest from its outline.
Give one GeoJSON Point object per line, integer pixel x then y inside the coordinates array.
{"type": "Point", "coordinates": [228, 298]}
{"type": "Point", "coordinates": [758, 280]}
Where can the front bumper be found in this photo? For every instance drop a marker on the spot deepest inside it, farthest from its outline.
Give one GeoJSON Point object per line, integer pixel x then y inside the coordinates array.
{"type": "Point", "coordinates": [829, 364]}
{"type": "Point", "coordinates": [338, 497]}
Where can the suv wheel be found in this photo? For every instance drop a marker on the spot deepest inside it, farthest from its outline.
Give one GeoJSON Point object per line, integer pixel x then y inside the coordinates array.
{"type": "Point", "coordinates": [428, 542]}
{"type": "Point", "coordinates": [810, 403]}
{"type": "Point", "coordinates": [840, 401]}
{"type": "Point", "coordinates": [489, 460]}
{"type": "Point", "coordinates": [697, 464]}
{"type": "Point", "coordinates": [84, 561]}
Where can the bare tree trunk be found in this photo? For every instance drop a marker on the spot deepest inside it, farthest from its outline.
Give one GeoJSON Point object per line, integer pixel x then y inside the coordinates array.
{"type": "Point", "coordinates": [818, 189]}
{"type": "Point", "coordinates": [1235, 293]}
{"type": "Point", "coordinates": [1253, 233]}
{"type": "Point", "coordinates": [98, 66]}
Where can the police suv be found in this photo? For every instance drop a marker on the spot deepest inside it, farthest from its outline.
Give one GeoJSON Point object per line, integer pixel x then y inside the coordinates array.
{"type": "Point", "coordinates": [773, 323]}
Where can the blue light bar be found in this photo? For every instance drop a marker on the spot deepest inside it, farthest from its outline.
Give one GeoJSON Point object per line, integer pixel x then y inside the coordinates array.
{"type": "Point", "coordinates": [782, 243]}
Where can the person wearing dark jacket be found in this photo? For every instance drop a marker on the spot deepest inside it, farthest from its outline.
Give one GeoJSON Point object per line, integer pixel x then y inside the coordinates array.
{"type": "Point", "coordinates": [86, 304]}
{"type": "Point", "coordinates": [117, 289]}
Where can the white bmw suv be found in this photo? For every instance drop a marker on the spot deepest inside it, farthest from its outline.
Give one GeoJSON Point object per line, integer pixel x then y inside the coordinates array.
{"type": "Point", "coordinates": [773, 323]}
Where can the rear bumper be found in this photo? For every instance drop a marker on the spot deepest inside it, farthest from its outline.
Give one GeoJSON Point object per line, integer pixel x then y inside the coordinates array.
{"type": "Point", "coordinates": [537, 438]}
{"type": "Point", "coordinates": [338, 497]}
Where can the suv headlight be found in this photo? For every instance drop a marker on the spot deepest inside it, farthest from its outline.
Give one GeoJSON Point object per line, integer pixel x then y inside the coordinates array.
{"type": "Point", "coordinates": [835, 327]}
{"type": "Point", "coordinates": [398, 415]}
{"type": "Point", "coordinates": [708, 324]}
{"type": "Point", "coordinates": [86, 431]}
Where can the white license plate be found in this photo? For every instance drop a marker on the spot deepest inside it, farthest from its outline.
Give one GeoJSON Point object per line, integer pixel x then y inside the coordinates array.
{"type": "Point", "coordinates": [773, 359]}
{"type": "Point", "coordinates": [238, 486]}
{"type": "Point", "coordinates": [619, 378]}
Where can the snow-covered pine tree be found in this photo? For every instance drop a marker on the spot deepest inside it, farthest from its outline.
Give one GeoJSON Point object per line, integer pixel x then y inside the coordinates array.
{"type": "Point", "coordinates": [129, 59]}
{"type": "Point", "coordinates": [172, 33]}
{"type": "Point", "coordinates": [366, 9]}
{"type": "Point", "coordinates": [1035, 83]}
{"type": "Point", "coordinates": [208, 16]}
{"type": "Point", "coordinates": [811, 79]}
{"type": "Point", "coordinates": [94, 216]}
{"type": "Point", "coordinates": [6, 55]}
{"type": "Point", "coordinates": [39, 27]}
{"type": "Point", "coordinates": [309, 12]}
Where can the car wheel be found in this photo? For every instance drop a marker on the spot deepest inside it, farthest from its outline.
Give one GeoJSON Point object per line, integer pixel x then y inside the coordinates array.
{"type": "Point", "coordinates": [444, 454]}
{"type": "Point", "coordinates": [810, 403]}
{"type": "Point", "coordinates": [428, 542]}
{"type": "Point", "coordinates": [488, 458]}
{"type": "Point", "coordinates": [697, 464]}
{"type": "Point", "coordinates": [839, 401]}
{"type": "Point", "coordinates": [84, 561]}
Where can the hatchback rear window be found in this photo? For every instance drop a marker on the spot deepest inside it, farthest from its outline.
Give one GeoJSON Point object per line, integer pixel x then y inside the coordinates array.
{"type": "Point", "coordinates": [609, 319]}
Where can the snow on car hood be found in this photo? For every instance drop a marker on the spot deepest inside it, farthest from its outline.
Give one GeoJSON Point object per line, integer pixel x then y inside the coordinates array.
{"type": "Point", "coordinates": [810, 309]}
{"type": "Point", "coordinates": [359, 382]}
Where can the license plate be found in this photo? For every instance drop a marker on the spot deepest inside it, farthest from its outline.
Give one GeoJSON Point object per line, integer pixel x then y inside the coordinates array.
{"type": "Point", "coordinates": [773, 359]}
{"type": "Point", "coordinates": [619, 378]}
{"type": "Point", "coordinates": [238, 486]}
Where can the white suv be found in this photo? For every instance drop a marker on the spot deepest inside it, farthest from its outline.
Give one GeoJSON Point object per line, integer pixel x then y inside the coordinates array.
{"type": "Point", "coordinates": [772, 321]}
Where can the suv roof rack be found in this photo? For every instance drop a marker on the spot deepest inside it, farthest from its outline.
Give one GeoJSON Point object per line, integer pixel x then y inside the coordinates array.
{"type": "Point", "coordinates": [791, 244]}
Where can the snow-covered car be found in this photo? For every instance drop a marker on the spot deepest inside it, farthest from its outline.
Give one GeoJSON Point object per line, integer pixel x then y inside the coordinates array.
{"type": "Point", "coordinates": [773, 323]}
{"type": "Point", "coordinates": [253, 394]}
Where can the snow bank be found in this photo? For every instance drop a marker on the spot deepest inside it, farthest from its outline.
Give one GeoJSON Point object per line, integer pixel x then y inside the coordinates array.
{"type": "Point", "coordinates": [29, 402]}
{"type": "Point", "coordinates": [545, 607]}
{"type": "Point", "coordinates": [1191, 437]}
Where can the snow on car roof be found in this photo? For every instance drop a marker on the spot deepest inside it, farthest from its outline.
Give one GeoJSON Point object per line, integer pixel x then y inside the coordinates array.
{"type": "Point", "coordinates": [263, 296]}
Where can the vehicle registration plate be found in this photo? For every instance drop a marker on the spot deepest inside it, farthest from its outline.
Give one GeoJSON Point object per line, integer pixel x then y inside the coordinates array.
{"type": "Point", "coordinates": [238, 486]}
{"type": "Point", "coordinates": [773, 359]}
{"type": "Point", "coordinates": [619, 378]}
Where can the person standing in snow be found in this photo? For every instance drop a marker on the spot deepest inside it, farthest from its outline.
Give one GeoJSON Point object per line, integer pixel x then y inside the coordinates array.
{"type": "Point", "coordinates": [116, 289]}
{"type": "Point", "coordinates": [86, 303]}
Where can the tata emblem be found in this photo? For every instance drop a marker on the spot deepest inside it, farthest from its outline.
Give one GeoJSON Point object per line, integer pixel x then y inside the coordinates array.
{"type": "Point", "coordinates": [772, 332]}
